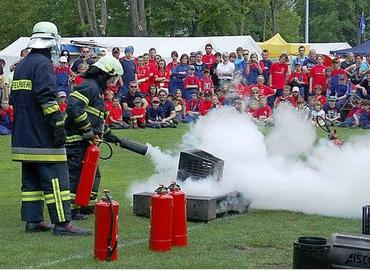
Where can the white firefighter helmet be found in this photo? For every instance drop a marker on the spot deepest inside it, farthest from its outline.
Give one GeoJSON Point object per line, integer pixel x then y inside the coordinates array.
{"type": "Point", "coordinates": [110, 65]}
{"type": "Point", "coordinates": [44, 35]}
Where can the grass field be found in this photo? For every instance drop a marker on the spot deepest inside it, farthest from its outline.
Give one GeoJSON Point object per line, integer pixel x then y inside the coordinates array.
{"type": "Point", "coordinates": [258, 239]}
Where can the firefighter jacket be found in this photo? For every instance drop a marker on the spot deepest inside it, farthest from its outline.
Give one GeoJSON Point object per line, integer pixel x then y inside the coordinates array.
{"type": "Point", "coordinates": [85, 111]}
{"type": "Point", "coordinates": [36, 112]}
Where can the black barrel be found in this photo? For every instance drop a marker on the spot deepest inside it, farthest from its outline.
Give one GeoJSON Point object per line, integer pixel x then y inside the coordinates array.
{"type": "Point", "coordinates": [134, 146]}
{"type": "Point", "coordinates": [366, 219]}
{"type": "Point", "coordinates": [311, 253]}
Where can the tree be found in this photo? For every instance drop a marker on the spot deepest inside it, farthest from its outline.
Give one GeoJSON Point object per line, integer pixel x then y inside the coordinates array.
{"type": "Point", "coordinates": [138, 18]}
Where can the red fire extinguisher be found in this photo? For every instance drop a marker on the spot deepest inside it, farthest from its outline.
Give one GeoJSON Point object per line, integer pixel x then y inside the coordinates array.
{"type": "Point", "coordinates": [161, 220]}
{"type": "Point", "coordinates": [179, 227]}
{"type": "Point", "coordinates": [106, 228]}
{"type": "Point", "coordinates": [87, 176]}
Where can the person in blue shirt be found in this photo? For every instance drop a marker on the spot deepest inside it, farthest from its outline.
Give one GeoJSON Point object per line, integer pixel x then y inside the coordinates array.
{"type": "Point", "coordinates": [129, 71]}
{"type": "Point", "coordinates": [242, 67]}
{"type": "Point", "coordinates": [239, 55]}
{"type": "Point", "coordinates": [254, 69]}
{"type": "Point", "coordinates": [310, 61]}
{"type": "Point", "coordinates": [300, 58]}
{"type": "Point", "coordinates": [179, 73]}
{"type": "Point", "coordinates": [266, 65]}
{"type": "Point", "coordinates": [200, 67]}
{"type": "Point", "coordinates": [155, 115]}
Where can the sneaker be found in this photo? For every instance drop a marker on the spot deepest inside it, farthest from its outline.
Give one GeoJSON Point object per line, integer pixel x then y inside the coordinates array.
{"type": "Point", "coordinates": [70, 229]}
{"type": "Point", "coordinates": [32, 227]}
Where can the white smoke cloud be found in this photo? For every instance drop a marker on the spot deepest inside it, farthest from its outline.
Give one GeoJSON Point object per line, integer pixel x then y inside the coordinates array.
{"type": "Point", "coordinates": [271, 171]}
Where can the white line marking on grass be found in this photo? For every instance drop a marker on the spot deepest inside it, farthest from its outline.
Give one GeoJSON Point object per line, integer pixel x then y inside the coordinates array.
{"type": "Point", "coordinates": [127, 244]}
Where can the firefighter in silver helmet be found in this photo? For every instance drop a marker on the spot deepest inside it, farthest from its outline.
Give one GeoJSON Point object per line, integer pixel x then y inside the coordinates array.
{"type": "Point", "coordinates": [39, 136]}
{"type": "Point", "coordinates": [85, 120]}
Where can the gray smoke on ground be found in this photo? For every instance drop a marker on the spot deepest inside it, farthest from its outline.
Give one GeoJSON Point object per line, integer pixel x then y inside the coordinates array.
{"type": "Point", "coordinates": [283, 170]}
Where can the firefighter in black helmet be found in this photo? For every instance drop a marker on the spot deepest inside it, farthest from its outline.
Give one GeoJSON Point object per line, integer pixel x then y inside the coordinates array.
{"type": "Point", "coordinates": [38, 137]}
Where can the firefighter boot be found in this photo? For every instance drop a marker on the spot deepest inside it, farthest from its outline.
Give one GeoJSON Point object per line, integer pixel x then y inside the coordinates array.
{"type": "Point", "coordinates": [87, 210]}
{"type": "Point", "coordinates": [32, 227]}
{"type": "Point", "coordinates": [68, 228]}
{"type": "Point", "coordinates": [77, 215]}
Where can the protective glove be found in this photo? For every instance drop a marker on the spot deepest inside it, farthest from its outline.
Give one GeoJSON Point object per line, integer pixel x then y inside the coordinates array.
{"type": "Point", "coordinates": [88, 136]}
{"type": "Point", "coordinates": [58, 136]}
{"type": "Point", "coordinates": [111, 138]}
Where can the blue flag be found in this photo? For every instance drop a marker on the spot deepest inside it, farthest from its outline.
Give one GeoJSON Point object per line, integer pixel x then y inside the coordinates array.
{"type": "Point", "coordinates": [362, 24]}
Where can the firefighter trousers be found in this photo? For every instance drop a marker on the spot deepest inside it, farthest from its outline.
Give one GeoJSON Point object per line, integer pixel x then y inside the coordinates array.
{"type": "Point", "coordinates": [75, 156]}
{"type": "Point", "coordinates": [45, 183]}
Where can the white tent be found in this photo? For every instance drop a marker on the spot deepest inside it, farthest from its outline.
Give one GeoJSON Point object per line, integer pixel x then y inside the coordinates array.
{"type": "Point", "coordinates": [325, 48]}
{"type": "Point", "coordinates": [163, 45]}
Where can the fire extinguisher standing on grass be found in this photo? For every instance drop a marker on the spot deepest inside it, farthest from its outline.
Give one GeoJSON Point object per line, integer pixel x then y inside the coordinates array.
{"type": "Point", "coordinates": [161, 220]}
{"type": "Point", "coordinates": [106, 228]}
{"type": "Point", "coordinates": [179, 227]}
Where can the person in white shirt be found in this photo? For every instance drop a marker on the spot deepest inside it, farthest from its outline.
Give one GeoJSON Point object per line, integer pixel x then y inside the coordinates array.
{"type": "Point", "coordinates": [225, 70]}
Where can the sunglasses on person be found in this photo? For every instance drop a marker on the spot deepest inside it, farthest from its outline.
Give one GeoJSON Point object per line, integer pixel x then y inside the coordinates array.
{"type": "Point", "coordinates": [133, 86]}
{"type": "Point", "coordinates": [245, 54]}
{"type": "Point", "coordinates": [255, 92]}
{"type": "Point", "coordinates": [155, 102]}
{"type": "Point", "coordinates": [162, 95]}
{"type": "Point", "coordinates": [85, 51]}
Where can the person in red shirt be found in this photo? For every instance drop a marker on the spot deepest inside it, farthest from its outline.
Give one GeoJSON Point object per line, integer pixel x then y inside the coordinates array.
{"type": "Point", "coordinates": [162, 77]}
{"type": "Point", "coordinates": [264, 89]}
{"type": "Point", "coordinates": [298, 78]}
{"type": "Point", "coordinates": [115, 116]}
{"type": "Point", "coordinates": [191, 83]}
{"type": "Point", "coordinates": [108, 99]}
{"type": "Point", "coordinates": [78, 79]}
{"type": "Point", "coordinates": [205, 103]}
{"type": "Point", "coordinates": [152, 68]}
{"type": "Point", "coordinates": [152, 56]}
{"type": "Point", "coordinates": [153, 92]}
{"type": "Point", "coordinates": [296, 95]}
{"type": "Point", "coordinates": [62, 101]}
{"type": "Point", "coordinates": [262, 115]}
{"type": "Point", "coordinates": [279, 73]}
{"type": "Point", "coordinates": [319, 96]}
{"type": "Point", "coordinates": [192, 109]}
{"type": "Point", "coordinates": [174, 63]}
{"type": "Point", "coordinates": [143, 75]}
{"type": "Point", "coordinates": [317, 76]}
{"type": "Point", "coordinates": [285, 98]}
{"type": "Point", "coordinates": [240, 89]}
{"type": "Point", "coordinates": [206, 83]}
{"type": "Point", "coordinates": [209, 59]}
{"type": "Point", "coordinates": [6, 118]}
{"type": "Point", "coordinates": [138, 114]}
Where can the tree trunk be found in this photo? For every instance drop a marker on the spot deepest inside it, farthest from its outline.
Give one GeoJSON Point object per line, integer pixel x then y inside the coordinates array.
{"type": "Point", "coordinates": [81, 16]}
{"type": "Point", "coordinates": [103, 23]}
{"type": "Point", "coordinates": [274, 11]}
{"type": "Point", "coordinates": [96, 32]}
{"type": "Point", "coordinates": [138, 18]}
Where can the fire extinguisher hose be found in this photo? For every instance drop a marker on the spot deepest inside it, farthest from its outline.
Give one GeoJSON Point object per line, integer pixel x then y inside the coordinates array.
{"type": "Point", "coordinates": [110, 235]}
{"type": "Point", "coordinates": [109, 147]}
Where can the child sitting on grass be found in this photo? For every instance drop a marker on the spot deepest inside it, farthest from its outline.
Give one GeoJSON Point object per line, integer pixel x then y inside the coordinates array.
{"type": "Point", "coordinates": [155, 115]}
{"type": "Point", "coordinates": [332, 113]}
{"type": "Point", "coordinates": [138, 114]}
{"type": "Point", "coordinates": [318, 111]}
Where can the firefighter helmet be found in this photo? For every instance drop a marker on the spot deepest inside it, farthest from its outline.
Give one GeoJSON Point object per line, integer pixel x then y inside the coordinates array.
{"type": "Point", "coordinates": [44, 35]}
{"type": "Point", "coordinates": [109, 65]}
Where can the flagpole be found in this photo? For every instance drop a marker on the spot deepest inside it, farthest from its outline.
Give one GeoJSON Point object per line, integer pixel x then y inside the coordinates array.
{"type": "Point", "coordinates": [307, 19]}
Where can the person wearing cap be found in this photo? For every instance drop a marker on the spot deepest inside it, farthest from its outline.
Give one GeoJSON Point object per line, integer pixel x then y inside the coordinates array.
{"type": "Point", "coordinates": [84, 123]}
{"type": "Point", "coordinates": [191, 84]}
{"type": "Point", "coordinates": [341, 91]}
{"type": "Point", "coordinates": [336, 72]}
{"type": "Point", "coordinates": [155, 115]}
{"type": "Point", "coordinates": [38, 137]}
{"type": "Point", "coordinates": [137, 114]}
{"type": "Point", "coordinates": [62, 101]}
{"type": "Point", "coordinates": [116, 52]}
{"type": "Point", "coordinates": [192, 57]}
{"type": "Point", "coordinates": [129, 71]}
{"type": "Point", "coordinates": [296, 95]}
{"type": "Point", "coordinates": [63, 74]}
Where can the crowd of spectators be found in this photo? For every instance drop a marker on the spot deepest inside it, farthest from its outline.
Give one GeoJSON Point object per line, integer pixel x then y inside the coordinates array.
{"type": "Point", "coordinates": [155, 94]}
